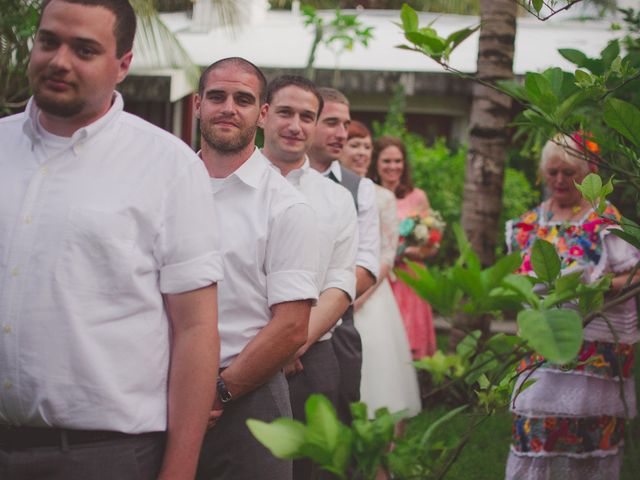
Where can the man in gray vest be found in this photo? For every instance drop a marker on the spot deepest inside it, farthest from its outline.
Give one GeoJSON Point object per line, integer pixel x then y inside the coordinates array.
{"type": "Point", "coordinates": [329, 140]}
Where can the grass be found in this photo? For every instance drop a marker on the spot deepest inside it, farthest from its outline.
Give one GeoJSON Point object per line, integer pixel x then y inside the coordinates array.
{"type": "Point", "coordinates": [485, 455]}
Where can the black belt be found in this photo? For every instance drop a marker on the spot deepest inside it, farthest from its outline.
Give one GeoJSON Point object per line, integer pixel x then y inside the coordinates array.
{"type": "Point", "coordinates": [20, 438]}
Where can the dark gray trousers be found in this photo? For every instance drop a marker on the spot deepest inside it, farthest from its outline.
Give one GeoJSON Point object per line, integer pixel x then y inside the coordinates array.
{"type": "Point", "coordinates": [348, 348]}
{"type": "Point", "coordinates": [138, 457]}
{"type": "Point", "coordinates": [231, 452]}
{"type": "Point", "coordinates": [321, 374]}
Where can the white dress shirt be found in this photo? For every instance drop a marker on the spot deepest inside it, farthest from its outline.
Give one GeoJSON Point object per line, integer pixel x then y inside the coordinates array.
{"type": "Point", "coordinates": [368, 222]}
{"type": "Point", "coordinates": [269, 243]}
{"type": "Point", "coordinates": [337, 229]}
{"type": "Point", "coordinates": [93, 230]}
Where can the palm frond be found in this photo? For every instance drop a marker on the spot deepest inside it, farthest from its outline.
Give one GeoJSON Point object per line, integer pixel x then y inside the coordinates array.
{"type": "Point", "coordinates": [156, 46]}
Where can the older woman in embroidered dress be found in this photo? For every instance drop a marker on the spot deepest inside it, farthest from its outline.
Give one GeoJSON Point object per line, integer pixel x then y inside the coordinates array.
{"type": "Point", "coordinates": [570, 423]}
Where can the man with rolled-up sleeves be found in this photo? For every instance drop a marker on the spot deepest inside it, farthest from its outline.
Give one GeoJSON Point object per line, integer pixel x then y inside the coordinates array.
{"type": "Point", "coordinates": [108, 269]}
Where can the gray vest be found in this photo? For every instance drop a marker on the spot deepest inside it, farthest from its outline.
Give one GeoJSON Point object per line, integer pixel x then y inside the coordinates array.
{"type": "Point", "coordinates": [350, 181]}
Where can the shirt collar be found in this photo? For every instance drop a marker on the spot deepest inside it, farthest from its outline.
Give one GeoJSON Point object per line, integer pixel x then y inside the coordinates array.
{"type": "Point", "coordinates": [252, 170]}
{"type": "Point", "coordinates": [84, 133]}
{"type": "Point", "coordinates": [335, 169]}
{"type": "Point", "coordinates": [295, 176]}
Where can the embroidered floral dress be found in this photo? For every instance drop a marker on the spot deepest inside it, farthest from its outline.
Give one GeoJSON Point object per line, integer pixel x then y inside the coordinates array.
{"type": "Point", "coordinates": [570, 423]}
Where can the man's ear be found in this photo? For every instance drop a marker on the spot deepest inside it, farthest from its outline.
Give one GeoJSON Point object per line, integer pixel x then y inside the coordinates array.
{"type": "Point", "coordinates": [196, 105]}
{"type": "Point", "coordinates": [123, 66]}
{"type": "Point", "coordinates": [263, 115]}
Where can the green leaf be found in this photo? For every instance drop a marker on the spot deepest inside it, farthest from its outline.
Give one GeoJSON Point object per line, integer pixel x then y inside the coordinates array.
{"type": "Point", "coordinates": [583, 77]}
{"type": "Point", "coordinates": [512, 88]}
{"type": "Point", "coordinates": [630, 232]}
{"type": "Point", "coordinates": [456, 38]}
{"type": "Point", "coordinates": [623, 117]}
{"type": "Point", "coordinates": [557, 298]}
{"type": "Point", "coordinates": [591, 187]}
{"type": "Point", "coordinates": [468, 345]}
{"type": "Point", "coordinates": [537, 5]}
{"type": "Point", "coordinates": [469, 281]}
{"type": "Point", "coordinates": [409, 18]}
{"type": "Point", "coordinates": [522, 285]}
{"type": "Point", "coordinates": [501, 344]}
{"type": "Point", "coordinates": [323, 426]}
{"type": "Point", "coordinates": [574, 56]}
{"type": "Point", "coordinates": [610, 53]}
{"type": "Point", "coordinates": [568, 282]}
{"type": "Point", "coordinates": [432, 45]}
{"type": "Point", "coordinates": [494, 275]}
{"type": "Point", "coordinates": [555, 334]}
{"type": "Point", "coordinates": [283, 437]}
{"type": "Point", "coordinates": [539, 91]}
{"type": "Point", "coordinates": [545, 260]}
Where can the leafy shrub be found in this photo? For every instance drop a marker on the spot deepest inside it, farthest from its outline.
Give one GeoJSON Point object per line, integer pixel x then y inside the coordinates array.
{"type": "Point", "coordinates": [439, 171]}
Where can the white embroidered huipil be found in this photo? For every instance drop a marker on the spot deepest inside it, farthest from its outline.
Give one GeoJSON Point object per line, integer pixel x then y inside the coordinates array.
{"type": "Point", "coordinates": [93, 230]}
{"type": "Point", "coordinates": [268, 239]}
{"type": "Point", "coordinates": [337, 225]}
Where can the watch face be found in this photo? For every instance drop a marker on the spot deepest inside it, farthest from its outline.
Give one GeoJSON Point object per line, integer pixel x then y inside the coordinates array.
{"type": "Point", "coordinates": [225, 395]}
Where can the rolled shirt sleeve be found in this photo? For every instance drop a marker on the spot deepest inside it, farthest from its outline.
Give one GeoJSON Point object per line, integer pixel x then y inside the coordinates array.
{"type": "Point", "coordinates": [368, 228]}
{"type": "Point", "coordinates": [187, 246]}
{"type": "Point", "coordinates": [341, 270]}
{"type": "Point", "coordinates": [292, 256]}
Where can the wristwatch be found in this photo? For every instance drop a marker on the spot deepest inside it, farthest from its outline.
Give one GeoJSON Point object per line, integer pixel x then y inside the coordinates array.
{"type": "Point", "coordinates": [223, 392]}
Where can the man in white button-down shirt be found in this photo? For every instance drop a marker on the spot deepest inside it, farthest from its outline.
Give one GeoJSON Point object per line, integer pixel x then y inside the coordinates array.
{"type": "Point", "coordinates": [328, 142]}
{"type": "Point", "coordinates": [289, 119]}
{"type": "Point", "coordinates": [108, 265]}
{"type": "Point", "coordinates": [269, 244]}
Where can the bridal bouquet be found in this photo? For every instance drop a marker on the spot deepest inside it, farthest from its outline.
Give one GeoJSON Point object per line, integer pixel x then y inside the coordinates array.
{"type": "Point", "coordinates": [421, 231]}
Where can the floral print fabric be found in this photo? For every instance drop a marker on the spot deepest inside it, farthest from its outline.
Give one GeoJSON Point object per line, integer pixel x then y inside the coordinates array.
{"type": "Point", "coordinates": [577, 244]}
{"type": "Point", "coordinates": [566, 435]}
{"type": "Point", "coordinates": [597, 359]}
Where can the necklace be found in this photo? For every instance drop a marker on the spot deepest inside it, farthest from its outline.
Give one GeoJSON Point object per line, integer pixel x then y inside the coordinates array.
{"type": "Point", "coordinates": [575, 210]}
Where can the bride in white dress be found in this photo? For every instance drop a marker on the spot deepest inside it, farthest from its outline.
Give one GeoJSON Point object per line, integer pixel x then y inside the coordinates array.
{"type": "Point", "coordinates": [388, 376]}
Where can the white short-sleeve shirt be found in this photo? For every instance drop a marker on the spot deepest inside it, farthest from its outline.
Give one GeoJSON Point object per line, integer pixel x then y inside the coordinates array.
{"type": "Point", "coordinates": [368, 222]}
{"type": "Point", "coordinates": [337, 229]}
{"type": "Point", "coordinates": [268, 239]}
{"type": "Point", "coordinates": [92, 233]}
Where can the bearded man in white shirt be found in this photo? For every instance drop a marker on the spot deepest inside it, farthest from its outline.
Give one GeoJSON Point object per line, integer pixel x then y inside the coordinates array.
{"type": "Point", "coordinates": [289, 119]}
{"type": "Point", "coordinates": [328, 142]}
{"type": "Point", "coordinates": [107, 295]}
{"type": "Point", "coordinates": [269, 244]}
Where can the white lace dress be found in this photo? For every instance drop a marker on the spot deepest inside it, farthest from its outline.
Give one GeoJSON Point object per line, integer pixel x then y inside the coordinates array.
{"type": "Point", "coordinates": [388, 376]}
{"type": "Point", "coordinates": [569, 424]}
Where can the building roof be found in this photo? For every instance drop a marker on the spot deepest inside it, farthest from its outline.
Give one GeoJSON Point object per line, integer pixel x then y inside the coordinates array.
{"type": "Point", "coordinates": [279, 40]}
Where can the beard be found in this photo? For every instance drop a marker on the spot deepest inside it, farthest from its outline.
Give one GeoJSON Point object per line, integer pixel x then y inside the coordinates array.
{"type": "Point", "coordinates": [56, 106]}
{"type": "Point", "coordinates": [228, 145]}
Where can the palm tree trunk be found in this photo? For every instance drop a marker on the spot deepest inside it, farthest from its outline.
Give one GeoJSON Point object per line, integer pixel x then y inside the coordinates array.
{"type": "Point", "coordinates": [489, 137]}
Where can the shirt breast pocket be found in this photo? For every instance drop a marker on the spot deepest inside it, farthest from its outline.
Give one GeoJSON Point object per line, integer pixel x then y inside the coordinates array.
{"type": "Point", "coordinates": [97, 252]}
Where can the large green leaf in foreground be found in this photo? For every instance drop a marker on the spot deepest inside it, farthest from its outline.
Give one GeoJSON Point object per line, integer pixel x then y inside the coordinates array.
{"type": "Point", "coordinates": [555, 334]}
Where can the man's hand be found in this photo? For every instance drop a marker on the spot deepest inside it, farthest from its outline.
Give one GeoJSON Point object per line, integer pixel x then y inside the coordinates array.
{"type": "Point", "coordinates": [293, 367]}
{"type": "Point", "coordinates": [216, 412]}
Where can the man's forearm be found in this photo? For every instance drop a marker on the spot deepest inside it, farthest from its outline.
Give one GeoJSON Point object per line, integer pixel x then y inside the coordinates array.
{"type": "Point", "coordinates": [364, 280]}
{"type": "Point", "coordinates": [270, 349]}
{"type": "Point", "coordinates": [331, 306]}
{"type": "Point", "coordinates": [195, 354]}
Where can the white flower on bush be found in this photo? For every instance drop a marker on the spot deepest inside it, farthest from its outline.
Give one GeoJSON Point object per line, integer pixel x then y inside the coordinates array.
{"type": "Point", "coordinates": [421, 232]}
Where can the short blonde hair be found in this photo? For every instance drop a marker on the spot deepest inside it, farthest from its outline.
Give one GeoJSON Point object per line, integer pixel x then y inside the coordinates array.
{"type": "Point", "coordinates": [567, 149]}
